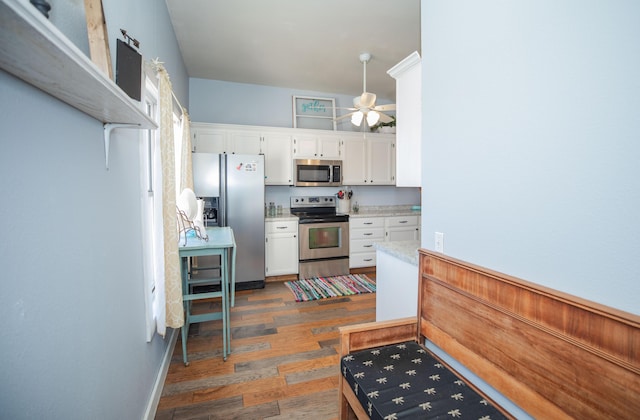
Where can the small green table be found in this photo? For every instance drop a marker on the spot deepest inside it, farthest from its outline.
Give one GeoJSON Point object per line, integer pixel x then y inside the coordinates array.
{"type": "Point", "coordinates": [220, 242]}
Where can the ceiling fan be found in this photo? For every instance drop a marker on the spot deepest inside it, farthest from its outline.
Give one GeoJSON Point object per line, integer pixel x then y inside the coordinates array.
{"type": "Point", "coordinates": [364, 106]}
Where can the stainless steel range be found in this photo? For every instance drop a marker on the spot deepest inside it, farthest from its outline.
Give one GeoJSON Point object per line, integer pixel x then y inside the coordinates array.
{"type": "Point", "coordinates": [323, 236]}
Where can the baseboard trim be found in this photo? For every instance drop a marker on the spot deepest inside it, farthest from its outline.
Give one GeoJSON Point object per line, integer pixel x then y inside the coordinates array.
{"type": "Point", "coordinates": [156, 393]}
{"type": "Point", "coordinates": [281, 278]}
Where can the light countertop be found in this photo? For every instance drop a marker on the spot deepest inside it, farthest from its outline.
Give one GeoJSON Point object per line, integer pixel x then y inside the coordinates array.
{"type": "Point", "coordinates": [382, 211]}
{"type": "Point", "coordinates": [406, 251]}
{"type": "Point", "coordinates": [286, 216]}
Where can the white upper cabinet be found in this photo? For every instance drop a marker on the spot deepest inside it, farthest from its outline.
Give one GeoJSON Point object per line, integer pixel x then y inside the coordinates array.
{"type": "Point", "coordinates": [242, 142]}
{"type": "Point", "coordinates": [311, 146]}
{"type": "Point", "coordinates": [408, 75]}
{"type": "Point", "coordinates": [278, 158]}
{"type": "Point", "coordinates": [208, 139]}
{"type": "Point", "coordinates": [368, 160]}
{"type": "Point", "coordinates": [274, 143]}
{"type": "Point", "coordinates": [381, 158]}
{"type": "Point", "coordinates": [354, 163]}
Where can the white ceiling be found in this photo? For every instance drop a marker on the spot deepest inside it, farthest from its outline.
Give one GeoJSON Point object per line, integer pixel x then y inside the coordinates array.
{"type": "Point", "coordinates": [300, 44]}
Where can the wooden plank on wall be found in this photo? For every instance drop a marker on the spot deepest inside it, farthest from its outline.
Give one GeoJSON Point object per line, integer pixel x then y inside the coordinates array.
{"type": "Point", "coordinates": [98, 36]}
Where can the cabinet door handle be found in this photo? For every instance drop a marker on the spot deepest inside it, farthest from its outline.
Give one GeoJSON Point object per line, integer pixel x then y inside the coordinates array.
{"type": "Point", "coordinates": [281, 227]}
{"type": "Point", "coordinates": [367, 223]}
{"type": "Point", "coordinates": [403, 221]}
{"type": "Point", "coordinates": [367, 246]}
{"type": "Point", "coordinates": [368, 259]}
{"type": "Point", "coordinates": [367, 234]}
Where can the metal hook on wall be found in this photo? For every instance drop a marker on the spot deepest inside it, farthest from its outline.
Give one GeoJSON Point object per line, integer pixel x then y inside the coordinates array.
{"type": "Point", "coordinates": [130, 39]}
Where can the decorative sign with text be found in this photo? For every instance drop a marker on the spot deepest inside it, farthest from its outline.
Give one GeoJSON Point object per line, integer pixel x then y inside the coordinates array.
{"type": "Point", "coordinates": [318, 113]}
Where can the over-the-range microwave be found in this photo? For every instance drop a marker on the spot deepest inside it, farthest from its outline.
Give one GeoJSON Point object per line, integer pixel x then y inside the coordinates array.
{"type": "Point", "coordinates": [317, 173]}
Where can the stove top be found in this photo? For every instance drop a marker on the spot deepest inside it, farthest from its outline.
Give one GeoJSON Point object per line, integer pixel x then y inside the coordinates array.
{"type": "Point", "coordinates": [316, 209]}
{"type": "Point", "coordinates": [313, 203]}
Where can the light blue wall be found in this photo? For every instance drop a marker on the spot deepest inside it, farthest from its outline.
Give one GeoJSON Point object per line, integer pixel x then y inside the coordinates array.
{"type": "Point", "coordinates": [215, 101]}
{"type": "Point", "coordinates": [71, 293]}
{"type": "Point", "coordinates": [531, 141]}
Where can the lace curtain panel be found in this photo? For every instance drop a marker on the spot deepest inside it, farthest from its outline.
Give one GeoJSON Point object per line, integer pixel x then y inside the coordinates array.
{"type": "Point", "coordinates": [186, 172]}
{"type": "Point", "coordinates": [172, 283]}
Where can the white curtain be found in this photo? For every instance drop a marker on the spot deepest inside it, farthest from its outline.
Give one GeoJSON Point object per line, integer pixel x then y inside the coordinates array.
{"type": "Point", "coordinates": [174, 312]}
{"type": "Point", "coordinates": [186, 167]}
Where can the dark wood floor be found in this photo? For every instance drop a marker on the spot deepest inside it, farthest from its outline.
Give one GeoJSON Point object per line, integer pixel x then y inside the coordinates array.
{"type": "Point", "coordinates": [284, 361]}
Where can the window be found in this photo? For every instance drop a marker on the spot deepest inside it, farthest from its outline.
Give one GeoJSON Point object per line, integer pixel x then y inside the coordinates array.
{"type": "Point", "coordinates": [151, 200]}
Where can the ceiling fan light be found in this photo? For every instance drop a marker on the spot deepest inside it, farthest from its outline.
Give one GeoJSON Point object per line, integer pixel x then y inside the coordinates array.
{"type": "Point", "coordinates": [356, 118]}
{"type": "Point", "coordinates": [372, 118]}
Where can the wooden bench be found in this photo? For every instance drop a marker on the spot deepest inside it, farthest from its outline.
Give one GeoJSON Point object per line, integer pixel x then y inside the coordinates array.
{"type": "Point", "coordinates": [552, 354]}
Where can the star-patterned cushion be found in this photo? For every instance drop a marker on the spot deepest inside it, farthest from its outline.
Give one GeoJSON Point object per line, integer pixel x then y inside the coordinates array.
{"type": "Point", "coordinates": [405, 381]}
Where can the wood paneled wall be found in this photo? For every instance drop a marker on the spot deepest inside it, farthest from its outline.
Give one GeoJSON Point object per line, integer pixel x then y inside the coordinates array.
{"type": "Point", "coordinates": [553, 354]}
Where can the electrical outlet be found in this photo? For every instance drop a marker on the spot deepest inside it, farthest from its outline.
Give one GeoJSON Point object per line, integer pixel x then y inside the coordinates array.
{"type": "Point", "coordinates": [440, 242]}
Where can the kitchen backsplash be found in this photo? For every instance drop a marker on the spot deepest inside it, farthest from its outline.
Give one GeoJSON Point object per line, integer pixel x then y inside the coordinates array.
{"type": "Point", "coordinates": [366, 196]}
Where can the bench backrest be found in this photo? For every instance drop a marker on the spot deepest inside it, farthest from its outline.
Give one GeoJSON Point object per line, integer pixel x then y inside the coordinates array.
{"type": "Point", "coordinates": [552, 354]}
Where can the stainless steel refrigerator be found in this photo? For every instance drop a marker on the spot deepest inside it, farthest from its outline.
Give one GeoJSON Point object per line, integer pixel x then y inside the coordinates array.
{"type": "Point", "coordinates": [237, 181]}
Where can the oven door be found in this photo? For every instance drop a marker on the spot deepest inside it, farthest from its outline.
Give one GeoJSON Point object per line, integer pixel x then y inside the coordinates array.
{"type": "Point", "coordinates": [323, 240]}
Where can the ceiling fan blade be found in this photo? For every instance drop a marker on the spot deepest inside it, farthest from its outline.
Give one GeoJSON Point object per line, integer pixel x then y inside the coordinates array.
{"type": "Point", "coordinates": [342, 117]}
{"type": "Point", "coordinates": [342, 107]}
{"type": "Point", "coordinates": [387, 107]}
{"type": "Point", "coordinates": [385, 118]}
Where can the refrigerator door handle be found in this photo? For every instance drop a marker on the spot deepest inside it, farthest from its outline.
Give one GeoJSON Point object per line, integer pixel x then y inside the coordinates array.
{"type": "Point", "coordinates": [222, 202]}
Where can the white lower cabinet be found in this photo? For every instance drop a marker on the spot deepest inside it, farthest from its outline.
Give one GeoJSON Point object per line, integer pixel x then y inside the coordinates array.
{"type": "Point", "coordinates": [365, 231]}
{"type": "Point", "coordinates": [402, 228]}
{"type": "Point", "coordinates": [281, 247]}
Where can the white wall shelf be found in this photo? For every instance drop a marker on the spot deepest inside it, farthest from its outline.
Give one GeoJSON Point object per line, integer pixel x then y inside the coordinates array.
{"type": "Point", "coordinates": [34, 50]}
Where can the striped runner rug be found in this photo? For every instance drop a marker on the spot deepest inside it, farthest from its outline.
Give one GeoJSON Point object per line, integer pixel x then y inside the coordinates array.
{"type": "Point", "coordinates": [326, 287]}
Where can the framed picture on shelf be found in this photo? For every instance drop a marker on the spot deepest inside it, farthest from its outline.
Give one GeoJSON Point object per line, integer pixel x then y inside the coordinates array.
{"type": "Point", "coordinates": [318, 113]}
